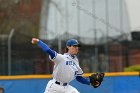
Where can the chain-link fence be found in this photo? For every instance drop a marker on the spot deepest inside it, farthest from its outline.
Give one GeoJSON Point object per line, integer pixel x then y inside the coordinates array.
{"type": "Point", "coordinates": [30, 59]}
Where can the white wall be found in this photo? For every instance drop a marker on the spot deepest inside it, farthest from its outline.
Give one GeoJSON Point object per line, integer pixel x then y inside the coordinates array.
{"type": "Point", "coordinates": [133, 7]}
{"type": "Point", "coordinates": [81, 17]}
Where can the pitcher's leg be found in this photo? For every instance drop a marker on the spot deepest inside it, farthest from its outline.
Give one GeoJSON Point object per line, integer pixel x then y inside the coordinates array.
{"type": "Point", "coordinates": [48, 87]}
{"type": "Point", "coordinates": [70, 89]}
{"type": "Point", "coordinates": [52, 87]}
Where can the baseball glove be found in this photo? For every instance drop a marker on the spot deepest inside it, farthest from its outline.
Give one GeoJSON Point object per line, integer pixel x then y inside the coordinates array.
{"type": "Point", "coordinates": [96, 79]}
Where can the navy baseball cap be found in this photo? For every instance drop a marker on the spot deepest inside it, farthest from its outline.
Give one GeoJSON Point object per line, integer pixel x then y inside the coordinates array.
{"type": "Point", "coordinates": [72, 42]}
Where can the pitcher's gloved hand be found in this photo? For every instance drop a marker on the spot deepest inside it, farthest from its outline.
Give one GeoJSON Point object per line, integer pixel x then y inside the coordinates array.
{"type": "Point", "coordinates": [96, 79]}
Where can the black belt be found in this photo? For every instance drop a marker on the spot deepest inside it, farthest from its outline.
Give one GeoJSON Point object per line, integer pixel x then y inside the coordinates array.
{"type": "Point", "coordinates": [63, 84]}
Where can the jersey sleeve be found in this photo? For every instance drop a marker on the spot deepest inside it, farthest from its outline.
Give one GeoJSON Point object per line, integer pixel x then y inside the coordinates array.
{"type": "Point", "coordinates": [80, 72]}
{"type": "Point", "coordinates": [57, 59]}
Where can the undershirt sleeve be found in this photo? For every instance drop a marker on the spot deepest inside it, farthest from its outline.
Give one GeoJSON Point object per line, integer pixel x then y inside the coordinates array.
{"type": "Point", "coordinates": [46, 49]}
{"type": "Point", "coordinates": [83, 80]}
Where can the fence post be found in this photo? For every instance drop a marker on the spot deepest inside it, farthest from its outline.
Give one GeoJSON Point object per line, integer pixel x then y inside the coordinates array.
{"type": "Point", "coordinates": [9, 50]}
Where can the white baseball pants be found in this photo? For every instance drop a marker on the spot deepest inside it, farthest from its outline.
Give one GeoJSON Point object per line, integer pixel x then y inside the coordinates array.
{"type": "Point", "coordinates": [52, 87]}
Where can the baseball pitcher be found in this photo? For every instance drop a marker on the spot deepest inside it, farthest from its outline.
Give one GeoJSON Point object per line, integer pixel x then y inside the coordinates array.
{"type": "Point", "coordinates": [67, 68]}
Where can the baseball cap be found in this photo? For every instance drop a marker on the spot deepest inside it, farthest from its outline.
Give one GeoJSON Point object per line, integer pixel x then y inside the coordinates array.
{"type": "Point", "coordinates": [72, 42]}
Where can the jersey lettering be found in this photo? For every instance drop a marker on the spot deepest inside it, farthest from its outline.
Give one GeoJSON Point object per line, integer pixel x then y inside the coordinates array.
{"type": "Point", "coordinates": [70, 63]}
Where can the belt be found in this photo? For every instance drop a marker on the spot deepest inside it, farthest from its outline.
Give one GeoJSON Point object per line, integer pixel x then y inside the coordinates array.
{"type": "Point", "coordinates": [63, 84]}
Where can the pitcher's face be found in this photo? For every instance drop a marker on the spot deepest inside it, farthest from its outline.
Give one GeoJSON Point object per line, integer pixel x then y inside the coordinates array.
{"type": "Point", "coordinates": [73, 50]}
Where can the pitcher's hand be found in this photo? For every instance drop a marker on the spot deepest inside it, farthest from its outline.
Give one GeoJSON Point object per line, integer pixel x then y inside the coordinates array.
{"type": "Point", "coordinates": [35, 40]}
